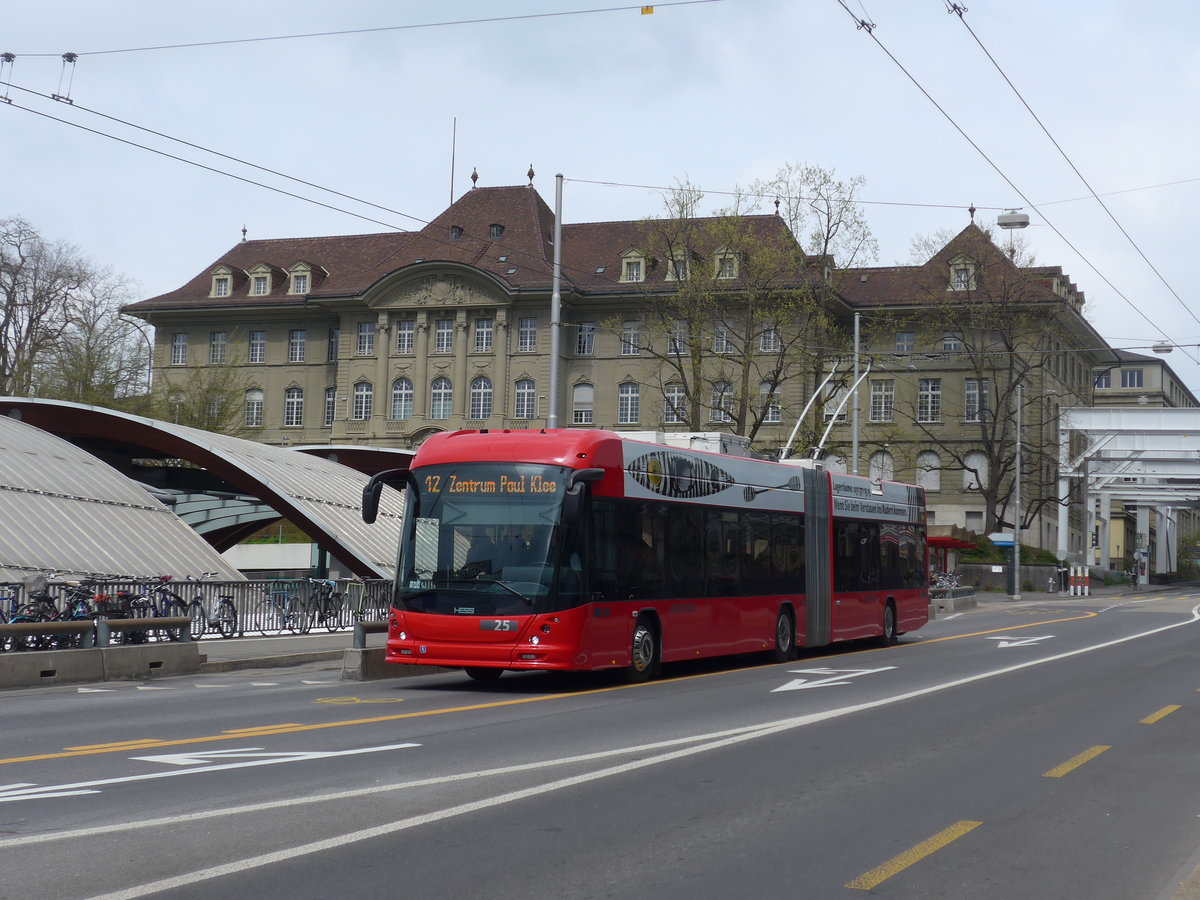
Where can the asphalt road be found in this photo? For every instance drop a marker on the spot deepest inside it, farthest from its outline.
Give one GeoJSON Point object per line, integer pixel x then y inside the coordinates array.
{"type": "Point", "coordinates": [1042, 749]}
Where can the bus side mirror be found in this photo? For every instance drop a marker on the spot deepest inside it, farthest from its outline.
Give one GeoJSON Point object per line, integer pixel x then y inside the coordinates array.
{"type": "Point", "coordinates": [573, 501]}
{"type": "Point", "coordinates": [374, 488]}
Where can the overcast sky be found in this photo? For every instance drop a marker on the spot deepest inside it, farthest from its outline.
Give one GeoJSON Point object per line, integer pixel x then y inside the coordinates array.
{"type": "Point", "coordinates": [721, 93]}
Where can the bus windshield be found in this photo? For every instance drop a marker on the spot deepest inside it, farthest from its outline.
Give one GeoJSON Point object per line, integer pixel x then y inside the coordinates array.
{"type": "Point", "coordinates": [485, 540]}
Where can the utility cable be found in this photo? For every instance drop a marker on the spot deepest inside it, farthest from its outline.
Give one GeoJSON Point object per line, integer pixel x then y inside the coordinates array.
{"type": "Point", "coordinates": [382, 28]}
{"type": "Point", "coordinates": [959, 10]}
{"type": "Point", "coordinates": [869, 28]}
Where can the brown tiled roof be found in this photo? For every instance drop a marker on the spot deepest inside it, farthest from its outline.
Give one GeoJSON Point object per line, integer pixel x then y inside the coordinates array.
{"type": "Point", "coordinates": [522, 256]}
{"type": "Point", "coordinates": [921, 284]}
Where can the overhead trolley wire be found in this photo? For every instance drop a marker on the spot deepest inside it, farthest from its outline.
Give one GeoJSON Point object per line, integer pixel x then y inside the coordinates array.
{"type": "Point", "coordinates": [869, 28]}
{"type": "Point", "coordinates": [959, 10]}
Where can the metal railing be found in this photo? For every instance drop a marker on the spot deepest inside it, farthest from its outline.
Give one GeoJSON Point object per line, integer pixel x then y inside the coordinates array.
{"type": "Point", "coordinates": [205, 609]}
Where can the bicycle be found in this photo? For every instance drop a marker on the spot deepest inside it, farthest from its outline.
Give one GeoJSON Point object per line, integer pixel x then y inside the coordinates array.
{"type": "Point", "coordinates": [224, 619]}
{"type": "Point", "coordinates": [327, 603]}
{"type": "Point", "coordinates": [162, 602]}
{"type": "Point", "coordinates": [280, 611]}
{"type": "Point", "coordinates": [365, 608]}
{"type": "Point", "coordinates": [42, 606]}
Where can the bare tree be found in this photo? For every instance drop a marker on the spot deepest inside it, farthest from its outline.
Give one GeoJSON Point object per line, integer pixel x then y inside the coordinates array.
{"type": "Point", "coordinates": [38, 284]}
{"type": "Point", "coordinates": [61, 334]}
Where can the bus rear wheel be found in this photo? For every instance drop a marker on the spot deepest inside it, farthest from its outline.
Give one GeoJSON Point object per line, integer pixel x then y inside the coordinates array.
{"type": "Point", "coordinates": [785, 637]}
{"type": "Point", "coordinates": [888, 637]}
{"type": "Point", "coordinates": [643, 658]}
{"type": "Point", "coordinates": [479, 673]}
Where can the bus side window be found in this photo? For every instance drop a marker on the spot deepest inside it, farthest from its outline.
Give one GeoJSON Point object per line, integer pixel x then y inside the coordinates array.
{"type": "Point", "coordinates": [685, 554]}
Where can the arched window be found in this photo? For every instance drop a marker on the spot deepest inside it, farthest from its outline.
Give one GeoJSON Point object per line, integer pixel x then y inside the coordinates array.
{"type": "Point", "coordinates": [254, 407]}
{"type": "Point", "coordinates": [441, 397]}
{"type": "Point", "coordinates": [402, 398]}
{"type": "Point", "coordinates": [525, 400]}
{"type": "Point", "coordinates": [364, 399]}
{"type": "Point", "coordinates": [929, 470]}
{"type": "Point", "coordinates": [481, 398]}
{"type": "Point", "coordinates": [582, 400]}
{"type": "Point", "coordinates": [293, 407]}
{"type": "Point", "coordinates": [975, 471]}
{"type": "Point", "coordinates": [881, 466]}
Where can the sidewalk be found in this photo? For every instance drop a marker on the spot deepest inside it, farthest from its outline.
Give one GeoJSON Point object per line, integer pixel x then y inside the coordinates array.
{"type": "Point", "coordinates": [1101, 590]}
{"type": "Point", "coordinates": [277, 651]}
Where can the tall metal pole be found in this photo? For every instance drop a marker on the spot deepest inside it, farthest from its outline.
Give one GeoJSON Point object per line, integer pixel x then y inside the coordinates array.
{"type": "Point", "coordinates": [556, 305]}
{"type": "Point", "coordinates": [854, 402]}
{"type": "Point", "coordinates": [1016, 595]}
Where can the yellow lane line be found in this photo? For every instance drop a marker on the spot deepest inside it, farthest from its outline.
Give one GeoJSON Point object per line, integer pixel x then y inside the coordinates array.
{"type": "Point", "coordinates": [897, 864]}
{"type": "Point", "coordinates": [117, 745]}
{"type": "Point", "coordinates": [1075, 762]}
{"type": "Point", "coordinates": [1161, 714]}
{"type": "Point", "coordinates": [260, 729]}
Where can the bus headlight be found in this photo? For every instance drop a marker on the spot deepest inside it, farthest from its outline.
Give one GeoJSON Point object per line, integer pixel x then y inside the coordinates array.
{"type": "Point", "coordinates": [535, 640]}
{"type": "Point", "coordinates": [402, 636]}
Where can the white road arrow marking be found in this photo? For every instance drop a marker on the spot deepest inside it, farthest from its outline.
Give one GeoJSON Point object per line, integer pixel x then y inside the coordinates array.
{"type": "Point", "coordinates": [833, 677]}
{"type": "Point", "coordinates": [1006, 641]}
{"type": "Point", "coordinates": [96, 690]}
{"type": "Point", "coordinates": [214, 756]}
{"type": "Point", "coordinates": [257, 758]}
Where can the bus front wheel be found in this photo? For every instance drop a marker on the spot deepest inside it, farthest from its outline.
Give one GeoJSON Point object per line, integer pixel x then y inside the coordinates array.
{"type": "Point", "coordinates": [483, 674]}
{"type": "Point", "coordinates": [644, 655]}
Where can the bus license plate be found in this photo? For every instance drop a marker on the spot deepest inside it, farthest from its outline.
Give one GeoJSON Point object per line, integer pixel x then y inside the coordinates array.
{"type": "Point", "coordinates": [497, 625]}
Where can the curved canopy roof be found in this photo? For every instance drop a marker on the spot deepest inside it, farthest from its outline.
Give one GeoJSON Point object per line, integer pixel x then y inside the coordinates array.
{"type": "Point", "coordinates": [66, 512]}
{"type": "Point", "coordinates": [322, 497]}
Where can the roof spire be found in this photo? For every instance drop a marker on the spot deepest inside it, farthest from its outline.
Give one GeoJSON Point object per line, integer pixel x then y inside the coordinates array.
{"type": "Point", "coordinates": [474, 176]}
{"type": "Point", "coordinates": [971, 210]}
{"type": "Point", "coordinates": [530, 173]}
{"type": "Point", "coordinates": [243, 234]}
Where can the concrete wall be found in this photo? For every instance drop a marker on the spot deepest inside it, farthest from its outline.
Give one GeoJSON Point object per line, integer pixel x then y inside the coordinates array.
{"type": "Point", "coordinates": [38, 667]}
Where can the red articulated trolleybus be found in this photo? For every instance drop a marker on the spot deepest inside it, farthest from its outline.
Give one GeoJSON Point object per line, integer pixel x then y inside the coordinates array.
{"type": "Point", "coordinates": [584, 549]}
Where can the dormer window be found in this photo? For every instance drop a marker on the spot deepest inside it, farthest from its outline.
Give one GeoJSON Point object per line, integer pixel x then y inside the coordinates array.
{"type": "Point", "coordinates": [633, 265]}
{"type": "Point", "coordinates": [727, 266]}
{"type": "Point", "coordinates": [962, 275]}
{"type": "Point", "coordinates": [299, 283]}
{"type": "Point", "coordinates": [222, 281]}
{"type": "Point", "coordinates": [678, 270]}
{"type": "Point", "coordinates": [455, 232]}
{"type": "Point", "coordinates": [494, 231]}
{"type": "Point", "coordinates": [260, 279]}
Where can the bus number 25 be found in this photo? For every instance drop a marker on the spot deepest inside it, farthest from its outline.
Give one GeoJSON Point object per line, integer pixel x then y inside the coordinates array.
{"type": "Point", "coordinates": [497, 625]}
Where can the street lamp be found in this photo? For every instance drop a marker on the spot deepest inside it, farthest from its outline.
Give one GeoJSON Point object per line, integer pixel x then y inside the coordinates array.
{"type": "Point", "coordinates": [149, 352]}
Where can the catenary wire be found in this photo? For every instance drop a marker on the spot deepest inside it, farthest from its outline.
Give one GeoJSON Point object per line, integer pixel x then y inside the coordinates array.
{"type": "Point", "coordinates": [959, 10]}
{"type": "Point", "coordinates": [869, 28]}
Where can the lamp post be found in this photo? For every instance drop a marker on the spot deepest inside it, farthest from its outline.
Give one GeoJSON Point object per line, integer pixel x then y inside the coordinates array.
{"type": "Point", "coordinates": [149, 352]}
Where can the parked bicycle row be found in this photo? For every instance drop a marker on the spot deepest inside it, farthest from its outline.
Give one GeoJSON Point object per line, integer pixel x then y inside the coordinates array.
{"type": "Point", "coordinates": [227, 609]}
